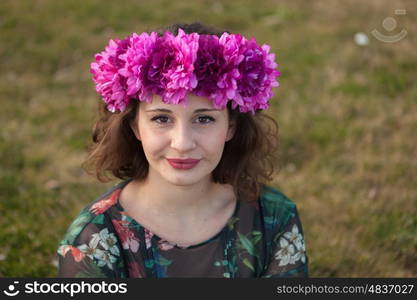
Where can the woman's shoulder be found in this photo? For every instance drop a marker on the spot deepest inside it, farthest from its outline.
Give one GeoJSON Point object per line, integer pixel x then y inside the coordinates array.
{"type": "Point", "coordinates": [92, 215]}
{"type": "Point", "coordinates": [276, 206]}
{"type": "Point", "coordinates": [273, 197]}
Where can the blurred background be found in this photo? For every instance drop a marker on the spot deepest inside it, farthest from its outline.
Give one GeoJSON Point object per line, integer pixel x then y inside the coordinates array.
{"type": "Point", "coordinates": [346, 108]}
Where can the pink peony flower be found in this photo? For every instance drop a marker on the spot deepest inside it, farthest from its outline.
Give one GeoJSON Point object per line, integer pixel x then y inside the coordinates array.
{"type": "Point", "coordinates": [138, 68]}
{"type": "Point", "coordinates": [227, 83]}
{"type": "Point", "coordinates": [209, 58]}
{"type": "Point", "coordinates": [180, 53]}
{"type": "Point", "coordinates": [258, 76]}
{"type": "Point", "coordinates": [109, 83]}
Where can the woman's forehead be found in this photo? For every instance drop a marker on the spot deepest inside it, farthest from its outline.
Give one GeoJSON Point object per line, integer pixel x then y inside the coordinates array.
{"type": "Point", "coordinates": [192, 104]}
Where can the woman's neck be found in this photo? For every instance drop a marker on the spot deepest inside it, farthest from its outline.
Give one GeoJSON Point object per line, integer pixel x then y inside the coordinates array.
{"type": "Point", "coordinates": [183, 215]}
{"type": "Point", "coordinates": [159, 197]}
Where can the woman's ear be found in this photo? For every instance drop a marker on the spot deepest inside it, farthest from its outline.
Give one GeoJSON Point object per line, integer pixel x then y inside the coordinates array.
{"type": "Point", "coordinates": [231, 130]}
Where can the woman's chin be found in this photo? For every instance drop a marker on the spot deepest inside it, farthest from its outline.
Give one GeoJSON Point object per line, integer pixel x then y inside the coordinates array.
{"type": "Point", "coordinates": [183, 181]}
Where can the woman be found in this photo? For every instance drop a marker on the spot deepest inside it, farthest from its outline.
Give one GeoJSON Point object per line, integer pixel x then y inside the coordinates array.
{"type": "Point", "coordinates": [182, 124]}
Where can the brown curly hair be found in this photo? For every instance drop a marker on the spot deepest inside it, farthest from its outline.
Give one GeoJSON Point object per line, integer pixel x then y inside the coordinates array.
{"type": "Point", "coordinates": [249, 159]}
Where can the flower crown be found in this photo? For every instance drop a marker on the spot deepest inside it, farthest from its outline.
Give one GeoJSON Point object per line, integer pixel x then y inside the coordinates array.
{"type": "Point", "coordinates": [229, 68]}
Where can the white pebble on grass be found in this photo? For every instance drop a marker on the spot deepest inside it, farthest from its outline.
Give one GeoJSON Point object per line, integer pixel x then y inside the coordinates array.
{"type": "Point", "coordinates": [361, 39]}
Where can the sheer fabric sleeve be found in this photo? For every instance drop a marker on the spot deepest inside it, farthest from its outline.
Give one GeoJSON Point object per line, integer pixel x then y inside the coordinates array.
{"type": "Point", "coordinates": [95, 252]}
{"type": "Point", "coordinates": [288, 257]}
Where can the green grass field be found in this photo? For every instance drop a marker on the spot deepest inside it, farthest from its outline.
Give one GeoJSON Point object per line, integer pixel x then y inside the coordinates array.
{"type": "Point", "coordinates": [347, 117]}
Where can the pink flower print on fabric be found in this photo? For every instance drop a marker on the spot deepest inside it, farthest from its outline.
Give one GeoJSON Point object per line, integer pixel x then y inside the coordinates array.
{"type": "Point", "coordinates": [127, 237]}
{"type": "Point", "coordinates": [103, 205]}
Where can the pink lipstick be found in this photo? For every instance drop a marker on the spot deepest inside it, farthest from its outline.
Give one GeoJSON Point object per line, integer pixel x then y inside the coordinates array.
{"type": "Point", "coordinates": [183, 164]}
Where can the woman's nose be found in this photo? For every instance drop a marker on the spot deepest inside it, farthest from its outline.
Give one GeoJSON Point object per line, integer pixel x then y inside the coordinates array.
{"type": "Point", "coordinates": [182, 138]}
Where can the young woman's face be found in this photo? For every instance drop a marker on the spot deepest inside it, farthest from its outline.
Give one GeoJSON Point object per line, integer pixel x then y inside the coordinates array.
{"type": "Point", "coordinates": [171, 132]}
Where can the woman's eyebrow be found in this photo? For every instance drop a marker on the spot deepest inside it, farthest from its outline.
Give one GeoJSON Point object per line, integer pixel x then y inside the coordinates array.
{"type": "Point", "coordinates": [169, 111]}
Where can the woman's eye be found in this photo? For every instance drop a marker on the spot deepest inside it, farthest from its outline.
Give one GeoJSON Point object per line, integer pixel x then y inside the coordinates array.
{"type": "Point", "coordinates": [205, 119]}
{"type": "Point", "coordinates": [200, 119]}
{"type": "Point", "coordinates": [160, 119]}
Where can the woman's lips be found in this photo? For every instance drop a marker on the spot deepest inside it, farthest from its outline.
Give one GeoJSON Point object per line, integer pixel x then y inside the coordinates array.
{"type": "Point", "coordinates": [183, 164]}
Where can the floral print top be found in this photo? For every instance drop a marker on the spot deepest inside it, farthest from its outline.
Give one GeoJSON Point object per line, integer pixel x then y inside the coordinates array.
{"type": "Point", "coordinates": [263, 238]}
